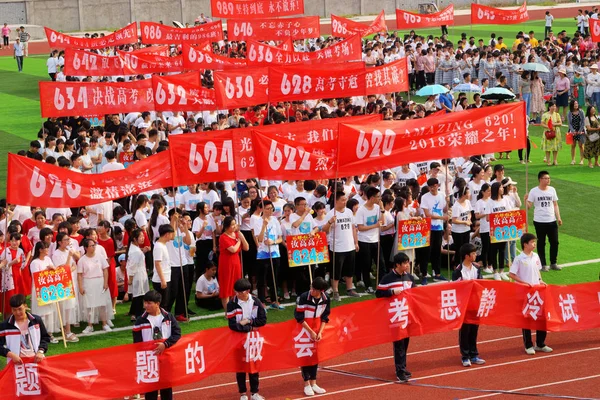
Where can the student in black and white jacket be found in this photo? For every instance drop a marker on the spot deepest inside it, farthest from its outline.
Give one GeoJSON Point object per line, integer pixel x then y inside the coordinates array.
{"type": "Point", "coordinates": [392, 284]}
{"type": "Point", "coordinates": [158, 325]}
{"type": "Point", "coordinates": [23, 334]}
{"type": "Point", "coordinates": [312, 311]}
{"type": "Point", "coordinates": [246, 313]}
{"type": "Point", "coordinates": [467, 335]}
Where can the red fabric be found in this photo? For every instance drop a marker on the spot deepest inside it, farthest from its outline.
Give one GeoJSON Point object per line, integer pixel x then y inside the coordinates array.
{"type": "Point", "coordinates": [595, 30]}
{"type": "Point", "coordinates": [154, 33]}
{"type": "Point", "coordinates": [489, 15]}
{"type": "Point", "coordinates": [408, 20]}
{"type": "Point", "coordinates": [391, 77]}
{"type": "Point", "coordinates": [230, 267]}
{"type": "Point", "coordinates": [273, 28]}
{"type": "Point", "coordinates": [183, 91]}
{"type": "Point", "coordinates": [343, 27]}
{"type": "Point", "coordinates": [141, 64]}
{"type": "Point", "coordinates": [80, 62]}
{"type": "Point", "coordinates": [201, 58]}
{"type": "Point", "coordinates": [242, 88]}
{"type": "Point", "coordinates": [26, 225]}
{"type": "Point", "coordinates": [124, 35]}
{"type": "Point", "coordinates": [109, 247]}
{"type": "Point", "coordinates": [255, 9]}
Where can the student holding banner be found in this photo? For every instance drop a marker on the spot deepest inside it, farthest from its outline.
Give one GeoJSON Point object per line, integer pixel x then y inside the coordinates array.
{"type": "Point", "coordinates": [41, 262]}
{"type": "Point", "coordinates": [66, 256]}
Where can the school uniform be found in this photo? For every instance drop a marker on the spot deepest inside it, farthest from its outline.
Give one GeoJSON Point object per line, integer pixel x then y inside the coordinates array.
{"type": "Point", "coordinates": [467, 335]}
{"type": "Point", "coordinates": [12, 338]}
{"type": "Point", "coordinates": [385, 288]}
{"type": "Point", "coordinates": [315, 311]}
{"type": "Point", "coordinates": [238, 310]}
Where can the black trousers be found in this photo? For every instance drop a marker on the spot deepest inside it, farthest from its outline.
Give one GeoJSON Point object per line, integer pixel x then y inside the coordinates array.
{"type": "Point", "coordinates": [485, 248]}
{"type": "Point", "coordinates": [467, 340]}
{"type": "Point", "coordinates": [176, 292]}
{"type": "Point", "coordinates": [188, 280]}
{"type": "Point", "coordinates": [430, 77]}
{"type": "Point", "coordinates": [387, 244]}
{"type": "Point", "coordinates": [240, 377]}
{"type": "Point", "coordinates": [165, 394]}
{"type": "Point", "coordinates": [444, 30]}
{"type": "Point", "coordinates": [212, 304]}
{"type": "Point", "coordinates": [459, 240]}
{"type": "Point", "coordinates": [366, 257]}
{"type": "Point", "coordinates": [550, 230]}
{"type": "Point", "coordinates": [136, 308]}
{"type": "Point", "coordinates": [547, 30]}
{"type": "Point", "coordinates": [497, 255]}
{"type": "Point", "coordinates": [5, 40]}
{"type": "Point", "coordinates": [203, 249]}
{"type": "Point", "coordinates": [264, 278]}
{"type": "Point", "coordinates": [540, 338]}
{"type": "Point", "coordinates": [400, 350]}
{"type": "Point", "coordinates": [434, 255]}
{"type": "Point", "coordinates": [163, 292]}
{"type": "Point", "coordinates": [420, 79]}
{"type": "Point", "coordinates": [309, 373]}
{"type": "Point", "coordinates": [249, 257]}
{"type": "Point", "coordinates": [528, 151]}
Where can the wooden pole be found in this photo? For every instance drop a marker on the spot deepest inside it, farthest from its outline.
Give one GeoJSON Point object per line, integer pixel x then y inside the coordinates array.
{"type": "Point", "coordinates": [62, 328]}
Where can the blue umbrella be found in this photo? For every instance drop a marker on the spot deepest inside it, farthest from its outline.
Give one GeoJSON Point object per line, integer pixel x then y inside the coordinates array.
{"type": "Point", "coordinates": [467, 88]}
{"type": "Point", "coordinates": [432, 90]}
{"type": "Point", "coordinates": [535, 67]}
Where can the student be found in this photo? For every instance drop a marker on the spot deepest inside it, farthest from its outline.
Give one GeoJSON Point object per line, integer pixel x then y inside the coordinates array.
{"type": "Point", "coordinates": [525, 269]}
{"type": "Point", "coordinates": [434, 205]}
{"type": "Point", "coordinates": [467, 335]}
{"type": "Point", "coordinates": [156, 325]}
{"type": "Point", "coordinates": [246, 313]}
{"type": "Point", "coordinates": [207, 289]}
{"type": "Point", "coordinates": [461, 220]}
{"type": "Point", "coordinates": [392, 284]}
{"type": "Point", "coordinates": [312, 311]}
{"type": "Point", "coordinates": [161, 277]}
{"type": "Point", "coordinates": [546, 218]}
{"type": "Point", "coordinates": [369, 219]}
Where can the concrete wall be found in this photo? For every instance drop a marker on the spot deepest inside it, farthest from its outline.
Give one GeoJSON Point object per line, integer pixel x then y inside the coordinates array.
{"type": "Point", "coordinates": [79, 15]}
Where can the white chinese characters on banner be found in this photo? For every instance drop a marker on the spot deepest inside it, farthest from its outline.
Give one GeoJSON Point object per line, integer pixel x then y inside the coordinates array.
{"type": "Point", "coordinates": [304, 344]}
{"type": "Point", "coordinates": [194, 359]}
{"type": "Point", "coordinates": [27, 380]}
{"type": "Point", "coordinates": [567, 307]}
{"type": "Point", "coordinates": [450, 310]}
{"type": "Point", "coordinates": [253, 346]}
{"type": "Point", "coordinates": [146, 367]}
{"type": "Point", "coordinates": [533, 308]}
{"type": "Point", "coordinates": [487, 302]}
{"type": "Point", "coordinates": [399, 310]}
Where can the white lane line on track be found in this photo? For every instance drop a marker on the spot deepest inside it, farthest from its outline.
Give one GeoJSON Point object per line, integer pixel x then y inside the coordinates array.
{"type": "Point", "coordinates": [535, 387]}
{"type": "Point", "coordinates": [350, 363]}
{"type": "Point", "coordinates": [461, 371]}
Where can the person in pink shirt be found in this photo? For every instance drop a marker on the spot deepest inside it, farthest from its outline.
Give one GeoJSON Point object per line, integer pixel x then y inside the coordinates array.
{"type": "Point", "coordinates": [5, 34]}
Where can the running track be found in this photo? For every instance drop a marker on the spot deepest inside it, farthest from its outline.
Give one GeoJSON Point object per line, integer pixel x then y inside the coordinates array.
{"type": "Point", "coordinates": [571, 370]}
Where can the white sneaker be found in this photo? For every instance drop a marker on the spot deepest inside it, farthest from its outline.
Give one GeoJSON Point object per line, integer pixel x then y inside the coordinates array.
{"type": "Point", "coordinates": [308, 391]}
{"type": "Point", "coordinates": [369, 290]}
{"type": "Point", "coordinates": [428, 275]}
{"type": "Point", "coordinates": [504, 276]}
{"type": "Point", "coordinates": [545, 349]}
{"type": "Point", "coordinates": [360, 284]}
{"type": "Point", "coordinates": [88, 329]}
{"type": "Point", "coordinates": [286, 296]}
{"type": "Point", "coordinates": [318, 390]}
{"type": "Point", "coordinates": [488, 270]}
{"type": "Point", "coordinates": [243, 397]}
{"type": "Point", "coordinates": [372, 276]}
{"type": "Point", "coordinates": [329, 291]}
{"type": "Point", "coordinates": [255, 292]}
{"type": "Point", "coordinates": [109, 323]}
{"type": "Point", "coordinates": [530, 351]}
{"type": "Point", "coordinates": [107, 328]}
{"type": "Point", "coordinates": [497, 277]}
{"type": "Point", "coordinates": [257, 396]}
{"type": "Point", "coordinates": [327, 277]}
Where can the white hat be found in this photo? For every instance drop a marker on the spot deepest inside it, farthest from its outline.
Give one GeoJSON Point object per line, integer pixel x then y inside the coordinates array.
{"type": "Point", "coordinates": [594, 66]}
{"type": "Point", "coordinates": [562, 71]}
{"type": "Point", "coordinates": [456, 80]}
{"type": "Point", "coordinates": [509, 181]}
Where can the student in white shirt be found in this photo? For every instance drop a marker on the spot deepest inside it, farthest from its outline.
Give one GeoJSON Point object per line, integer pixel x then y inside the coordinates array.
{"type": "Point", "coordinates": [369, 219]}
{"type": "Point", "coordinates": [467, 335]}
{"type": "Point", "coordinates": [190, 199]}
{"type": "Point", "coordinates": [461, 221]}
{"type": "Point", "coordinates": [434, 205]}
{"type": "Point", "coordinates": [112, 164]}
{"type": "Point", "coordinates": [525, 270]}
{"type": "Point", "coordinates": [498, 204]}
{"type": "Point", "coordinates": [207, 289]}
{"type": "Point", "coordinates": [546, 218]}
{"type": "Point", "coordinates": [161, 276]}
{"type": "Point", "coordinates": [481, 213]}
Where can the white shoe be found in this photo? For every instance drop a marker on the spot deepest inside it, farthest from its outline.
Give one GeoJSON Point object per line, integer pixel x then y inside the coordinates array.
{"type": "Point", "coordinates": [545, 349]}
{"type": "Point", "coordinates": [286, 296]}
{"type": "Point", "coordinates": [428, 275]}
{"type": "Point", "coordinates": [488, 270]}
{"type": "Point", "coordinates": [530, 351]}
{"type": "Point", "coordinates": [255, 292]}
{"type": "Point", "coordinates": [360, 284]}
{"type": "Point", "coordinates": [327, 277]}
{"type": "Point", "coordinates": [308, 391]}
{"type": "Point", "coordinates": [107, 328]}
{"type": "Point", "coordinates": [88, 329]}
{"type": "Point", "coordinates": [257, 396]}
{"type": "Point", "coordinates": [504, 276]}
{"type": "Point", "coordinates": [243, 397]}
{"type": "Point", "coordinates": [318, 390]}
{"type": "Point", "coordinates": [372, 276]}
{"type": "Point", "coordinates": [497, 277]}
{"type": "Point", "coordinates": [109, 323]}
{"type": "Point", "coordinates": [329, 291]}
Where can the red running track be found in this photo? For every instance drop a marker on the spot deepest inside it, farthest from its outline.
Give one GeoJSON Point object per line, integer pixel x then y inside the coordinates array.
{"type": "Point", "coordinates": [435, 360]}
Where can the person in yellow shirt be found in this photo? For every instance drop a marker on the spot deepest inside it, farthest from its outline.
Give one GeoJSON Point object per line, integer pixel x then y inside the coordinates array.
{"type": "Point", "coordinates": [500, 45]}
{"type": "Point", "coordinates": [532, 40]}
{"type": "Point", "coordinates": [518, 41]}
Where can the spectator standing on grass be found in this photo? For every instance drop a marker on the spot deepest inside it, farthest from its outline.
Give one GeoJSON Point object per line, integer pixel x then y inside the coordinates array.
{"type": "Point", "coordinates": [591, 149]}
{"type": "Point", "coordinates": [551, 138]}
{"type": "Point", "coordinates": [526, 270]}
{"type": "Point", "coordinates": [576, 120]}
{"type": "Point", "coordinates": [546, 218]}
{"type": "Point", "coordinates": [52, 64]}
{"type": "Point", "coordinates": [18, 52]}
{"type": "Point", "coordinates": [548, 25]}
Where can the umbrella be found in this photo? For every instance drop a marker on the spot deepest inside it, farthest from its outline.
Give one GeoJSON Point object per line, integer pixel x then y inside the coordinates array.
{"type": "Point", "coordinates": [432, 90]}
{"type": "Point", "coordinates": [498, 93]}
{"type": "Point", "coordinates": [467, 88]}
{"type": "Point", "coordinates": [178, 24]}
{"type": "Point", "coordinates": [535, 67]}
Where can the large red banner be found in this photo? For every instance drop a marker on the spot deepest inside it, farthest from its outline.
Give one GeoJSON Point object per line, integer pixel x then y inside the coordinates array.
{"type": "Point", "coordinates": [595, 30]}
{"type": "Point", "coordinates": [388, 78]}
{"type": "Point", "coordinates": [273, 28]}
{"type": "Point", "coordinates": [124, 35]}
{"type": "Point", "coordinates": [373, 147]}
{"type": "Point", "coordinates": [154, 33]}
{"type": "Point", "coordinates": [489, 15]}
{"type": "Point", "coordinates": [344, 27]}
{"type": "Point", "coordinates": [182, 92]}
{"type": "Point", "coordinates": [276, 346]}
{"type": "Point", "coordinates": [408, 20]}
{"type": "Point", "coordinates": [316, 82]}
{"type": "Point", "coordinates": [35, 183]}
{"type": "Point", "coordinates": [255, 9]}
{"type": "Point", "coordinates": [149, 63]}
{"type": "Point", "coordinates": [160, 50]}
{"type": "Point", "coordinates": [263, 54]}
{"type": "Point", "coordinates": [60, 99]}
{"type": "Point", "coordinates": [198, 58]}
{"type": "Point", "coordinates": [86, 63]}
{"type": "Point", "coordinates": [242, 87]}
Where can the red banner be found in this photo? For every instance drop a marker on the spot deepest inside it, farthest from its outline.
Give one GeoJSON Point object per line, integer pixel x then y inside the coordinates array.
{"type": "Point", "coordinates": [413, 233]}
{"type": "Point", "coordinates": [344, 27]}
{"type": "Point", "coordinates": [198, 58]}
{"type": "Point", "coordinates": [490, 15]}
{"type": "Point", "coordinates": [148, 63]}
{"type": "Point", "coordinates": [276, 346]}
{"type": "Point", "coordinates": [508, 225]}
{"type": "Point", "coordinates": [273, 28]}
{"type": "Point", "coordinates": [61, 99]}
{"type": "Point", "coordinates": [287, 45]}
{"type": "Point", "coordinates": [373, 147]}
{"type": "Point", "coordinates": [263, 54]}
{"type": "Point", "coordinates": [388, 78]}
{"type": "Point", "coordinates": [242, 88]}
{"type": "Point", "coordinates": [182, 92]}
{"type": "Point", "coordinates": [408, 20]}
{"type": "Point", "coordinates": [255, 9]}
{"type": "Point", "coordinates": [160, 50]}
{"type": "Point", "coordinates": [86, 63]}
{"type": "Point", "coordinates": [316, 82]}
{"type": "Point", "coordinates": [124, 35]}
{"type": "Point", "coordinates": [34, 183]}
{"type": "Point", "coordinates": [154, 33]}
{"type": "Point", "coordinates": [595, 30]}
{"type": "Point", "coordinates": [307, 249]}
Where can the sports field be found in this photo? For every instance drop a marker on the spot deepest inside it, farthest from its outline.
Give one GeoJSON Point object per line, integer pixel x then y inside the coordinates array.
{"type": "Point", "coordinates": [577, 186]}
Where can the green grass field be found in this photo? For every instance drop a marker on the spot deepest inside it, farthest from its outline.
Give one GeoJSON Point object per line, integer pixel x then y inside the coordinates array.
{"type": "Point", "coordinates": [577, 186]}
